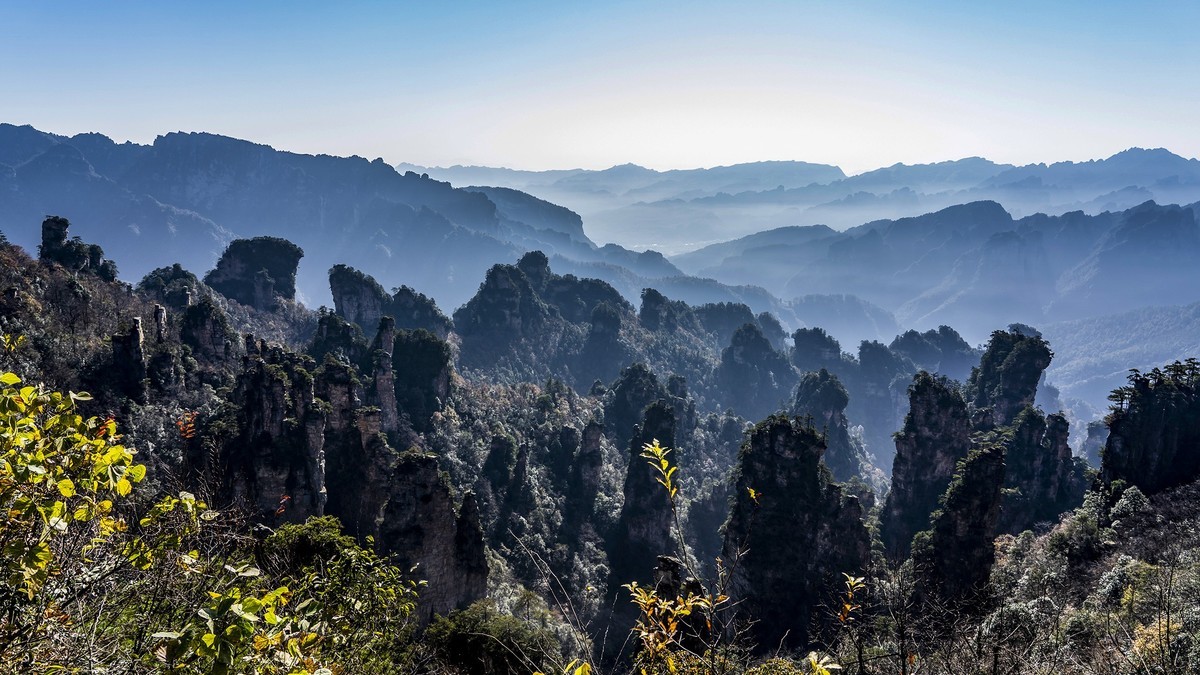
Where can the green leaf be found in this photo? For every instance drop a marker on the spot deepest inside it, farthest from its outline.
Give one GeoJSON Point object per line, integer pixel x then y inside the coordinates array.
{"type": "Point", "coordinates": [9, 379]}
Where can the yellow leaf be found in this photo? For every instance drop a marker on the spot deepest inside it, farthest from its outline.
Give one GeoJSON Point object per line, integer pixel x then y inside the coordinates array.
{"type": "Point", "coordinates": [66, 487]}
{"type": "Point", "coordinates": [124, 487]}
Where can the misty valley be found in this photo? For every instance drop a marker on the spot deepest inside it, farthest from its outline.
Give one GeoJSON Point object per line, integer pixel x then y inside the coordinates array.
{"type": "Point", "coordinates": [271, 412]}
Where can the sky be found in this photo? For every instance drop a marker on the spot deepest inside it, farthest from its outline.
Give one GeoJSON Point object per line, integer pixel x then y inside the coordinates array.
{"type": "Point", "coordinates": [566, 84]}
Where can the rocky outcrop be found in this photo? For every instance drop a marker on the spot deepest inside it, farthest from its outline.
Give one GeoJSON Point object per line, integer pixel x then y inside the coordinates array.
{"type": "Point", "coordinates": [73, 254]}
{"type": "Point", "coordinates": [413, 310]}
{"type": "Point", "coordinates": [821, 397]}
{"type": "Point", "coordinates": [129, 361]}
{"type": "Point", "coordinates": [383, 378]}
{"type": "Point", "coordinates": [421, 370]}
{"type": "Point", "coordinates": [205, 328]}
{"type": "Point", "coordinates": [505, 311]}
{"type": "Point", "coordinates": [954, 558]}
{"type": "Point", "coordinates": [172, 286]}
{"type": "Point", "coordinates": [420, 527]}
{"type": "Point", "coordinates": [603, 353]}
{"type": "Point", "coordinates": [941, 351]}
{"type": "Point", "coordinates": [1097, 436]}
{"type": "Point", "coordinates": [584, 483]}
{"type": "Point", "coordinates": [644, 529]}
{"type": "Point", "coordinates": [798, 530]}
{"type": "Point", "coordinates": [275, 466]}
{"type": "Point", "coordinates": [877, 395]}
{"type": "Point", "coordinates": [1043, 480]}
{"type": "Point", "coordinates": [1154, 429]}
{"type": "Point", "coordinates": [359, 299]}
{"type": "Point", "coordinates": [257, 272]}
{"type": "Point", "coordinates": [935, 437]}
{"type": "Point", "coordinates": [636, 388]}
{"type": "Point", "coordinates": [660, 314]}
{"type": "Point", "coordinates": [814, 349]}
{"type": "Point", "coordinates": [756, 378]}
{"type": "Point", "coordinates": [1007, 377]}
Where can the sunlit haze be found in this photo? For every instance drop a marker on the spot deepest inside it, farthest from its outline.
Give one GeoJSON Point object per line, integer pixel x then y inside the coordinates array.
{"type": "Point", "coordinates": [555, 85]}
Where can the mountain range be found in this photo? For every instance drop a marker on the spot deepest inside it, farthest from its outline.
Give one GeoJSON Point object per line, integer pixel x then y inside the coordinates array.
{"type": "Point", "coordinates": [960, 244]}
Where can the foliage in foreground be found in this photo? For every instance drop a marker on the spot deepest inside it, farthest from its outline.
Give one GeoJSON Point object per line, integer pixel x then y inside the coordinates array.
{"type": "Point", "coordinates": [95, 575]}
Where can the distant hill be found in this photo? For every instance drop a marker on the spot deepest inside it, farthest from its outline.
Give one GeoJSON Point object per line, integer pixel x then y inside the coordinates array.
{"type": "Point", "coordinates": [184, 197]}
{"type": "Point", "coordinates": [679, 211]}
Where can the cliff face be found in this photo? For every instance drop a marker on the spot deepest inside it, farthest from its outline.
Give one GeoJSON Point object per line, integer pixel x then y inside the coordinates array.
{"type": "Point", "coordinates": [257, 272]}
{"type": "Point", "coordinates": [275, 466]}
{"type": "Point", "coordinates": [420, 527]}
{"type": "Point", "coordinates": [1007, 377]}
{"type": "Point", "coordinates": [1042, 479]}
{"type": "Point", "coordinates": [359, 299]}
{"type": "Point", "coordinates": [822, 397]}
{"type": "Point", "coordinates": [935, 437]}
{"type": "Point", "coordinates": [799, 531]}
{"type": "Point", "coordinates": [954, 558]}
{"type": "Point", "coordinates": [644, 529]}
{"type": "Point", "coordinates": [1154, 429]}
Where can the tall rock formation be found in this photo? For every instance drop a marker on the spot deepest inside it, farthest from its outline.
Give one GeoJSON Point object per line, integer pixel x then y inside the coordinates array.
{"type": "Point", "coordinates": [1043, 480]}
{"type": "Point", "coordinates": [257, 272]}
{"type": "Point", "coordinates": [1154, 429]}
{"type": "Point", "coordinates": [1007, 377]}
{"type": "Point", "coordinates": [275, 465]}
{"type": "Point", "coordinates": [822, 397]}
{"type": "Point", "coordinates": [935, 437]}
{"type": "Point", "coordinates": [129, 361]}
{"type": "Point", "coordinates": [419, 526]}
{"type": "Point", "coordinates": [636, 388]}
{"type": "Point", "coordinates": [798, 529]}
{"type": "Point", "coordinates": [954, 558]}
{"type": "Point", "coordinates": [644, 529]}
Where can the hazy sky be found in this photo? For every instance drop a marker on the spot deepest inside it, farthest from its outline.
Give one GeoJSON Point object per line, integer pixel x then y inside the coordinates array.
{"type": "Point", "coordinates": [663, 84]}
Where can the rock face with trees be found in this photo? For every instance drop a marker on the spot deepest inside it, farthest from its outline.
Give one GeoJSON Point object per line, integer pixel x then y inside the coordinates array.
{"type": "Point", "coordinates": [785, 502]}
{"type": "Point", "coordinates": [499, 459]}
{"type": "Point", "coordinates": [257, 272]}
{"type": "Point", "coordinates": [935, 438]}
{"type": "Point", "coordinates": [1154, 429]}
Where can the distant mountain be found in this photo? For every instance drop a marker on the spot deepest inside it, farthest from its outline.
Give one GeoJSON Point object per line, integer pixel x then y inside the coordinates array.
{"type": "Point", "coordinates": [184, 197]}
{"type": "Point", "coordinates": [973, 265]}
{"type": "Point", "coordinates": [680, 211]}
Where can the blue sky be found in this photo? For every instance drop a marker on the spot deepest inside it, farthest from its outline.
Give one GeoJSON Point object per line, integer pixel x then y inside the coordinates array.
{"type": "Point", "coordinates": [664, 84]}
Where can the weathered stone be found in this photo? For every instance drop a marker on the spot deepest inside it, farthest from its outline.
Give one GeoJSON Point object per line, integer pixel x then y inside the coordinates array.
{"type": "Point", "coordinates": [257, 272]}
{"type": "Point", "coordinates": [790, 540]}
{"type": "Point", "coordinates": [419, 526]}
{"type": "Point", "coordinates": [954, 558]}
{"type": "Point", "coordinates": [935, 437]}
